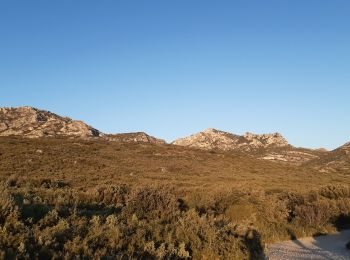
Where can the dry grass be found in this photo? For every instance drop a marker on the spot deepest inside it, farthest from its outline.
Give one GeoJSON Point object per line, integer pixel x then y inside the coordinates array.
{"type": "Point", "coordinates": [85, 164]}
{"type": "Point", "coordinates": [73, 198]}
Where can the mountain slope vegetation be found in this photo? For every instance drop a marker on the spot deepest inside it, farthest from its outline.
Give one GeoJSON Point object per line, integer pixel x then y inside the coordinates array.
{"type": "Point", "coordinates": [76, 193]}
{"type": "Point", "coordinates": [78, 198]}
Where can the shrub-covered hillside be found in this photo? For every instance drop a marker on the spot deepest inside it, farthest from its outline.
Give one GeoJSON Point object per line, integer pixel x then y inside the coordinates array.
{"type": "Point", "coordinates": [72, 199]}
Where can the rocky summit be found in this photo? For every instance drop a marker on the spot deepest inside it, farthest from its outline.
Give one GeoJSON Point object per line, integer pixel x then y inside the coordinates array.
{"type": "Point", "coordinates": [34, 123]}
{"type": "Point", "coordinates": [216, 139]}
{"type": "Point", "coordinates": [272, 147]}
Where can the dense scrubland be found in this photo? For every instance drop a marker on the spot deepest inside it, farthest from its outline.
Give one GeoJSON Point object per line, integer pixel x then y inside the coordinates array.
{"type": "Point", "coordinates": [66, 198]}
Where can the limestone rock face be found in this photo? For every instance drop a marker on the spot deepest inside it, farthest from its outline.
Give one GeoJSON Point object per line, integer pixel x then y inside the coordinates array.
{"type": "Point", "coordinates": [272, 147]}
{"type": "Point", "coordinates": [216, 139]}
{"type": "Point", "coordinates": [211, 139]}
{"type": "Point", "coordinates": [264, 140]}
{"type": "Point", "coordinates": [138, 137]}
{"type": "Point", "coordinates": [34, 123]}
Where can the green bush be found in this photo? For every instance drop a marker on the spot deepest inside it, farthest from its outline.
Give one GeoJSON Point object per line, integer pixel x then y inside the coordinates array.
{"type": "Point", "coordinates": [153, 221]}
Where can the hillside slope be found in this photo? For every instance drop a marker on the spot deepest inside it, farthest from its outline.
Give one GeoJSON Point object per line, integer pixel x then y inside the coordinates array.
{"type": "Point", "coordinates": [337, 160]}
{"type": "Point", "coordinates": [92, 198]}
{"type": "Point", "coordinates": [90, 162]}
{"type": "Point", "coordinates": [134, 137]}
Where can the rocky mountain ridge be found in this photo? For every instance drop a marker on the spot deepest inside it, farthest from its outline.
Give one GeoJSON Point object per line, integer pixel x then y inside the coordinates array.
{"type": "Point", "coordinates": [273, 147]}
{"type": "Point", "coordinates": [33, 123]}
{"type": "Point", "coordinates": [216, 139]}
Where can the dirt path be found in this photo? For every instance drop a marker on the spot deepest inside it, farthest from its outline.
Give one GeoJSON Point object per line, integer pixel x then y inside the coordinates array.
{"type": "Point", "coordinates": [323, 247]}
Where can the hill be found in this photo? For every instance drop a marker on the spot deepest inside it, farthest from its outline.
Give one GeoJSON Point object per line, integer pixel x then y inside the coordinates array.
{"type": "Point", "coordinates": [32, 122]}
{"type": "Point", "coordinates": [93, 198]}
{"type": "Point", "coordinates": [272, 147]}
{"type": "Point", "coordinates": [71, 192]}
{"type": "Point", "coordinates": [216, 139]}
{"type": "Point", "coordinates": [334, 161]}
{"type": "Point", "coordinates": [134, 137]}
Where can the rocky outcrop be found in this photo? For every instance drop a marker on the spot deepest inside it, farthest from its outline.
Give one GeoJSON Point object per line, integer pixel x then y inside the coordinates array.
{"type": "Point", "coordinates": [265, 140]}
{"type": "Point", "coordinates": [272, 147]}
{"type": "Point", "coordinates": [216, 139]}
{"type": "Point", "coordinates": [138, 137]}
{"type": "Point", "coordinates": [291, 155]}
{"type": "Point", "coordinates": [211, 139]}
{"type": "Point", "coordinates": [34, 123]}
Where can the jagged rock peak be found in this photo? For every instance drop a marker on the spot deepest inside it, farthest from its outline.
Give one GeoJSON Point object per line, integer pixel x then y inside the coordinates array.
{"type": "Point", "coordinates": [209, 139]}
{"type": "Point", "coordinates": [216, 139]}
{"type": "Point", "coordinates": [32, 122]}
{"type": "Point", "coordinates": [275, 139]}
{"type": "Point", "coordinates": [134, 137]}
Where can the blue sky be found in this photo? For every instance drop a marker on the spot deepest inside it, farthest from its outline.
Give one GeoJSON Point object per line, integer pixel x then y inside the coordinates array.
{"type": "Point", "coordinates": [172, 68]}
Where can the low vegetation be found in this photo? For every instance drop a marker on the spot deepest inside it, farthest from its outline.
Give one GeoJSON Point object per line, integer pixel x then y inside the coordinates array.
{"type": "Point", "coordinates": [78, 199]}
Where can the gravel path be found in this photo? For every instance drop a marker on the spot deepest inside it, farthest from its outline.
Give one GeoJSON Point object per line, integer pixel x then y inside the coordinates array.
{"type": "Point", "coordinates": [323, 247]}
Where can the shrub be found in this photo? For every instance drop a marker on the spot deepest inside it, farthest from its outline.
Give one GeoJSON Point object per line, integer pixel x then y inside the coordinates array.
{"type": "Point", "coordinates": [316, 214]}
{"type": "Point", "coordinates": [113, 194]}
{"type": "Point", "coordinates": [7, 203]}
{"type": "Point", "coordinates": [335, 191]}
{"type": "Point", "coordinates": [152, 202]}
{"type": "Point", "coordinates": [150, 222]}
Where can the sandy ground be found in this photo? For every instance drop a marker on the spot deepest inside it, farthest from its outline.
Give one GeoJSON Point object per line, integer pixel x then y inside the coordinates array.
{"type": "Point", "coordinates": [323, 247]}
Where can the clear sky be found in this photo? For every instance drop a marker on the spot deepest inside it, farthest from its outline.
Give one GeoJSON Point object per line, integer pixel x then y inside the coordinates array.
{"type": "Point", "coordinates": [172, 68]}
